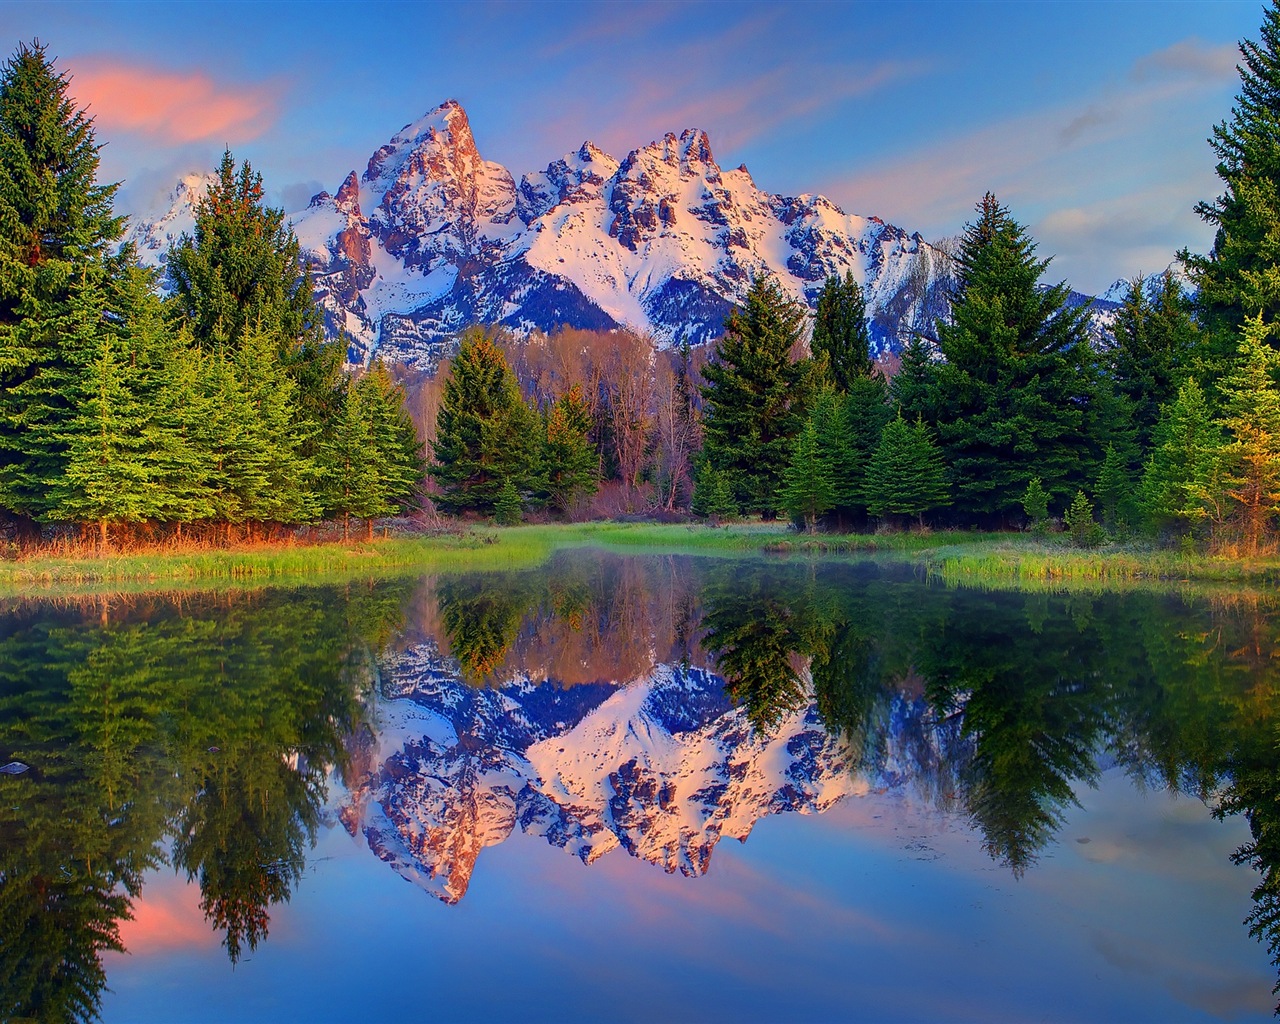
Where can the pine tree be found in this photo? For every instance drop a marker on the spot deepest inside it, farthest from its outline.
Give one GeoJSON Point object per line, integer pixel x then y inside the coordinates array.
{"type": "Point", "coordinates": [1156, 343]}
{"type": "Point", "coordinates": [1251, 416]}
{"type": "Point", "coordinates": [1010, 400]}
{"type": "Point", "coordinates": [109, 474]}
{"type": "Point", "coordinates": [507, 509]}
{"type": "Point", "coordinates": [1035, 505]}
{"type": "Point", "coordinates": [1240, 276]}
{"type": "Point", "coordinates": [1081, 526]}
{"type": "Point", "coordinates": [239, 281]}
{"type": "Point", "coordinates": [395, 451]}
{"type": "Point", "coordinates": [350, 476]}
{"type": "Point", "coordinates": [56, 228]}
{"type": "Point", "coordinates": [1181, 480]}
{"type": "Point", "coordinates": [241, 270]}
{"type": "Point", "coordinates": [840, 331]}
{"type": "Point", "coordinates": [570, 463]}
{"type": "Point", "coordinates": [1114, 491]}
{"type": "Point", "coordinates": [485, 433]}
{"type": "Point", "coordinates": [756, 397]}
{"type": "Point", "coordinates": [905, 476]}
{"type": "Point", "coordinates": [859, 420]}
{"type": "Point", "coordinates": [912, 386]}
{"type": "Point", "coordinates": [713, 493]}
{"type": "Point", "coordinates": [807, 488]}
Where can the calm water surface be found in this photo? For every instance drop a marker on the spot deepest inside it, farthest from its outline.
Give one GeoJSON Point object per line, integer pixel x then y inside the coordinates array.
{"type": "Point", "coordinates": [510, 796]}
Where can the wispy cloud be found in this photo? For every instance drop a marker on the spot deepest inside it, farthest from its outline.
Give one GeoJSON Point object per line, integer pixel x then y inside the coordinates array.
{"type": "Point", "coordinates": [1110, 175]}
{"type": "Point", "coordinates": [1190, 58]}
{"type": "Point", "coordinates": [172, 107]}
{"type": "Point", "coordinates": [735, 83]}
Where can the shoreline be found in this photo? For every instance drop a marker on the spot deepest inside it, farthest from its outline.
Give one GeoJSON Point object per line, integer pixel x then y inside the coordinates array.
{"type": "Point", "coordinates": [954, 557]}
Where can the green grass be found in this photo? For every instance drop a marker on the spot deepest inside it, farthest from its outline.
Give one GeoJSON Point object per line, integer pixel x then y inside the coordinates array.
{"type": "Point", "coordinates": [963, 558]}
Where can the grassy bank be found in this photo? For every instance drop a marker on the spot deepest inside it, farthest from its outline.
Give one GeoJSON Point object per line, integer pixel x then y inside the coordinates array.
{"type": "Point", "coordinates": [956, 557]}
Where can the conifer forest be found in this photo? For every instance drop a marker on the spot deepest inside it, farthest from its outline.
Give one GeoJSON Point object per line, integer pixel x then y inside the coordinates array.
{"type": "Point", "coordinates": [207, 403]}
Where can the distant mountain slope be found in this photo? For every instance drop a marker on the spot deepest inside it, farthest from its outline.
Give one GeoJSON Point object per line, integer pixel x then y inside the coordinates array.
{"type": "Point", "coordinates": [432, 237]}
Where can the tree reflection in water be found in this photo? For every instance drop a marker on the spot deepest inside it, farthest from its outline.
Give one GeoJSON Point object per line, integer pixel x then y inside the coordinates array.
{"type": "Point", "coordinates": [205, 728]}
{"type": "Point", "coordinates": [209, 720]}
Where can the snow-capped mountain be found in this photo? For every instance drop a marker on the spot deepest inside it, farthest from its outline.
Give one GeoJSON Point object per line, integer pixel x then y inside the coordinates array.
{"type": "Point", "coordinates": [663, 766]}
{"type": "Point", "coordinates": [431, 237]}
{"type": "Point", "coordinates": [153, 238]}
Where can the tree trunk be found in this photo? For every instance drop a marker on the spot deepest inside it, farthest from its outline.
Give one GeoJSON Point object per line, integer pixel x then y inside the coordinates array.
{"type": "Point", "coordinates": [102, 526]}
{"type": "Point", "coordinates": [369, 525]}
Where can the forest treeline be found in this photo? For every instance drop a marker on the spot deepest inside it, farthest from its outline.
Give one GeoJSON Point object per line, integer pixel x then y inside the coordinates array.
{"type": "Point", "coordinates": [1017, 415]}
{"type": "Point", "coordinates": [219, 409]}
{"type": "Point", "coordinates": [215, 405]}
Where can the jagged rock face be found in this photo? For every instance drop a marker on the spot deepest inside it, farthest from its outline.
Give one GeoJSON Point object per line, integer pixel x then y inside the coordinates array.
{"type": "Point", "coordinates": [663, 242]}
{"type": "Point", "coordinates": [663, 767]}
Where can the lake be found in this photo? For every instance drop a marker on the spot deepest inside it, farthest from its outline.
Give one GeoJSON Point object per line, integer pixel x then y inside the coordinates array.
{"type": "Point", "coordinates": [640, 788]}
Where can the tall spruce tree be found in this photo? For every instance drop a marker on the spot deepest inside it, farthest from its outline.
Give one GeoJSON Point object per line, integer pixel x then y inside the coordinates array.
{"type": "Point", "coordinates": [808, 490]}
{"type": "Point", "coordinates": [1156, 342]}
{"type": "Point", "coordinates": [1011, 399]}
{"type": "Point", "coordinates": [1240, 275]}
{"type": "Point", "coordinates": [905, 476]}
{"type": "Point", "coordinates": [241, 269]}
{"type": "Point", "coordinates": [1251, 415]}
{"type": "Point", "coordinates": [1181, 488]}
{"type": "Point", "coordinates": [241, 288]}
{"type": "Point", "coordinates": [570, 462]}
{"type": "Point", "coordinates": [757, 396]}
{"type": "Point", "coordinates": [840, 331]}
{"type": "Point", "coordinates": [396, 451]}
{"type": "Point", "coordinates": [486, 436]}
{"type": "Point", "coordinates": [56, 228]}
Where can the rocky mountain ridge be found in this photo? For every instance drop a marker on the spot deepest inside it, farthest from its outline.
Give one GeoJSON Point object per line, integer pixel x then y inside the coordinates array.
{"type": "Point", "coordinates": [430, 238]}
{"type": "Point", "coordinates": [663, 767]}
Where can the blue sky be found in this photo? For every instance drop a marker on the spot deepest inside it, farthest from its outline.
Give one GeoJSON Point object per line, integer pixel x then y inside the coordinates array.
{"type": "Point", "coordinates": [1088, 120]}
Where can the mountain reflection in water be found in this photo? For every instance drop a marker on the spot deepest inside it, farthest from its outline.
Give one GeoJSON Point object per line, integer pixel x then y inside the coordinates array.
{"type": "Point", "coordinates": [655, 704]}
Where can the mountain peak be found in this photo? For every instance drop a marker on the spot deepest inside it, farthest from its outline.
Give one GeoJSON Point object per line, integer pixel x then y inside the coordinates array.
{"type": "Point", "coordinates": [695, 147]}
{"type": "Point", "coordinates": [447, 119]}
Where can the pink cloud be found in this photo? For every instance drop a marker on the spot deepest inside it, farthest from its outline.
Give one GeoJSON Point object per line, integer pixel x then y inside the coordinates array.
{"type": "Point", "coordinates": [167, 917]}
{"type": "Point", "coordinates": [174, 107]}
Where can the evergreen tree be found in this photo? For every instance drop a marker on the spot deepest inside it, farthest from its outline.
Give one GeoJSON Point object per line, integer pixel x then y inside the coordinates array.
{"type": "Point", "coordinates": [757, 398]}
{"type": "Point", "coordinates": [284, 484]}
{"type": "Point", "coordinates": [1081, 526]}
{"type": "Point", "coordinates": [239, 280]}
{"type": "Point", "coordinates": [570, 462]}
{"type": "Point", "coordinates": [1114, 491]}
{"type": "Point", "coordinates": [1240, 276]}
{"type": "Point", "coordinates": [507, 510]}
{"type": "Point", "coordinates": [1035, 505]}
{"type": "Point", "coordinates": [350, 478]}
{"type": "Point", "coordinates": [1180, 484]}
{"type": "Point", "coordinates": [395, 452]}
{"type": "Point", "coordinates": [1010, 400]}
{"type": "Point", "coordinates": [163, 370]}
{"type": "Point", "coordinates": [860, 418]}
{"type": "Point", "coordinates": [110, 472]}
{"type": "Point", "coordinates": [241, 270]}
{"type": "Point", "coordinates": [807, 488]}
{"type": "Point", "coordinates": [911, 390]}
{"type": "Point", "coordinates": [485, 433]}
{"type": "Point", "coordinates": [1251, 415]}
{"type": "Point", "coordinates": [840, 331]}
{"type": "Point", "coordinates": [1156, 342]}
{"type": "Point", "coordinates": [56, 228]}
{"type": "Point", "coordinates": [905, 476]}
{"type": "Point", "coordinates": [713, 493]}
